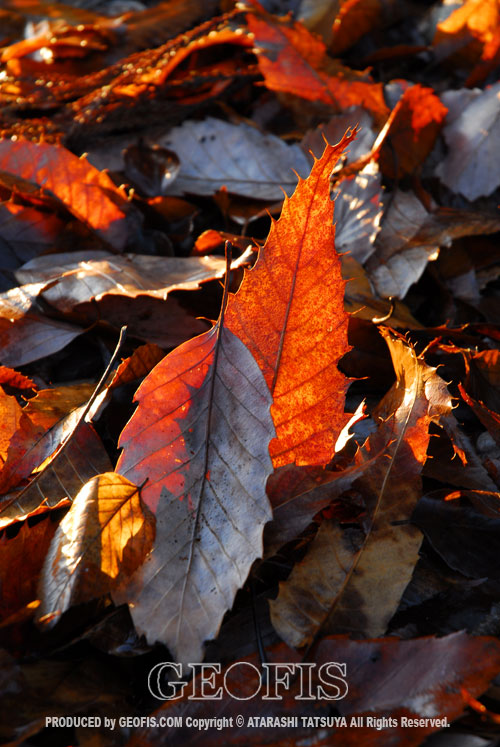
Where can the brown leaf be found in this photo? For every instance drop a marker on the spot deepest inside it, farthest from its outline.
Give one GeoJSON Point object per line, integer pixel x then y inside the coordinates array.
{"type": "Point", "coordinates": [361, 300]}
{"type": "Point", "coordinates": [103, 538]}
{"type": "Point", "coordinates": [21, 560]}
{"type": "Point", "coordinates": [354, 19]}
{"type": "Point", "coordinates": [461, 534]}
{"type": "Point", "coordinates": [63, 477]}
{"type": "Point", "coordinates": [25, 335]}
{"type": "Point", "coordinates": [79, 277]}
{"type": "Point", "coordinates": [345, 582]}
{"type": "Point", "coordinates": [289, 312]}
{"type": "Point", "coordinates": [420, 678]}
{"type": "Point", "coordinates": [43, 424]}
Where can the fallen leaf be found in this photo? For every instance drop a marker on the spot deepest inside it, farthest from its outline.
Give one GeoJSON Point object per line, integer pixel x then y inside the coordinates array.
{"type": "Point", "coordinates": [361, 300]}
{"type": "Point", "coordinates": [289, 312]}
{"type": "Point", "coordinates": [79, 277]}
{"type": "Point", "coordinates": [103, 539]}
{"type": "Point", "coordinates": [420, 678]}
{"type": "Point", "coordinates": [26, 335]}
{"type": "Point", "coordinates": [333, 131]}
{"type": "Point", "coordinates": [200, 436]}
{"type": "Point", "coordinates": [358, 211]}
{"type": "Point", "coordinates": [25, 233]}
{"type": "Point", "coordinates": [61, 480]}
{"type": "Point", "coordinates": [293, 60]}
{"type": "Point", "coordinates": [345, 583]}
{"type": "Point", "coordinates": [469, 167]}
{"type": "Point", "coordinates": [461, 534]}
{"type": "Point", "coordinates": [88, 193]}
{"type": "Point", "coordinates": [415, 124]}
{"type": "Point", "coordinates": [21, 560]}
{"type": "Point", "coordinates": [354, 19]}
{"type": "Point", "coordinates": [214, 153]}
{"type": "Point", "coordinates": [15, 380]}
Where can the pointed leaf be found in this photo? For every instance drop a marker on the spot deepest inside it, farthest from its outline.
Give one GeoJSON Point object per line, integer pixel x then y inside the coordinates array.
{"type": "Point", "coordinates": [200, 436]}
{"type": "Point", "coordinates": [289, 312]}
{"type": "Point", "coordinates": [62, 479]}
{"type": "Point", "coordinates": [293, 60]}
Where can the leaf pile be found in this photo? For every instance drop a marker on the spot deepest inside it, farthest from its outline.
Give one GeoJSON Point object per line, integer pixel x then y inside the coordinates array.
{"type": "Point", "coordinates": [295, 453]}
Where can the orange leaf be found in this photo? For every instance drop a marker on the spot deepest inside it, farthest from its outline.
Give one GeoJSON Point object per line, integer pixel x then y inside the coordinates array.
{"type": "Point", "coordinates": [105, 536]}
{"type": "Point", "coordinates": [293, 60]}
{"type": "Point", "coordinates": [289, 312]}
{"type": "Point", "coordinates": [354, 19]}
{"type": "Point", "coordinates": [475, 22]}
{"type": "Point", "coordinates": [415, 125]}
{"type": "Point", "coordinates": [88, 193]}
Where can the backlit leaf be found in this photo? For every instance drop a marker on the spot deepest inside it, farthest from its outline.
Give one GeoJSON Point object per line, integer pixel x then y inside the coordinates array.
{"type": "Point", "coordinates": [289, 312]}
{"type": "Point", "coordinates": [88, 193]}
{"type": "Point", "coordinates": [103, 538]}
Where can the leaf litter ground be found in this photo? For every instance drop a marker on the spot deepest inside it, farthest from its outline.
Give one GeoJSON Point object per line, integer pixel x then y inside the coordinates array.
{"type": "Point", "coordinates": [315, 475]}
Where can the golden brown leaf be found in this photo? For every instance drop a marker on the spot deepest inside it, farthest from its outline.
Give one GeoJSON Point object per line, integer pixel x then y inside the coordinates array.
{"type": "Point", "coordinates": [103, 538]}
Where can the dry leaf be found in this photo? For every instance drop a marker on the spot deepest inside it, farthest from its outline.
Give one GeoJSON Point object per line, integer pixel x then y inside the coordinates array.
{"type": "Point", "coordinates": [103, 538]}
{"type": "Point", "coordinates": [215, 154]}
{"type": "Point", "coordinates": [200, 436]}
{"type": "Point", "coordinates": [470, 166]}
{"type": "Point", "coordinates": [88, 193]}
{"type": "Point", "coordinates": [346, 584]}
{"type": "Point", "coordinates": [289, 312]}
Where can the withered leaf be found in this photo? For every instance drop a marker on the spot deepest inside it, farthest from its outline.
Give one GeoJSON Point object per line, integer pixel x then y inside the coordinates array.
{"type": "Point", "coordinates": [214, 153]}
{"type": "Point", "coordinates": [462, 535]}
{"type": "Point", "coordinates": [88, 193]}
{"type": "Point", "coordinates": [346, 584]}
{"type": "Point", "coordinates": [289, 312]}
{"type": "Point", "coordinates": [200, 436]}
{"type": "Point", "coordinates": [414, 678]}
{"type": "Point", "coordinates": [282, 46]}
{"type": "Point", "coordinates": [78, 277]}
{"type": "Point", "coordinates": [470, 166]}
{"type": "Point", "coordinates": [63, 477]}
{"type": "Point", "coordinates": [358, 211]}
{"type": "Point", "coordinates": [103, 538]}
